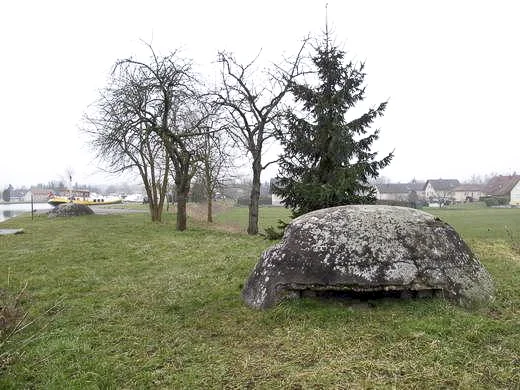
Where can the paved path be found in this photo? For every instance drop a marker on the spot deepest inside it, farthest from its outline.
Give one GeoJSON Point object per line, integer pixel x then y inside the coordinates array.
{"type": "Point", "coordinates": [4, 232]}
{"type": "Point", "coordinates": [102, 210]}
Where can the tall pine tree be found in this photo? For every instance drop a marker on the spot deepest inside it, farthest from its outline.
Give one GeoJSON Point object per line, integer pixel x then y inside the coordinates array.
{"type": "Point", "coordinates": [327, 159]}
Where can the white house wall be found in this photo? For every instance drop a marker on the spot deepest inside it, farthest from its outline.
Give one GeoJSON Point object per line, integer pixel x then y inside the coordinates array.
{"type": "Point", "coordinates": [461, 196]}
{"type": "Point", "coordinates": [399, 196]}
{"type": "Point", "coordinates": [429, 192]}
{"type": "Point", "coordinates": [515, 195]}
{"type": "Point", "coordinates": [276, 200]}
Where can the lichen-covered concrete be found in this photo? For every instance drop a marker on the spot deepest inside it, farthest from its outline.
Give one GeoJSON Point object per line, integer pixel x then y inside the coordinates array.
{"type": "Point", "coordinates": [368, 248]}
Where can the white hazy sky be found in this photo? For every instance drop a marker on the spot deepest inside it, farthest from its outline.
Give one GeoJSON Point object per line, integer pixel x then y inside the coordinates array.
{"type": "Point", "coordinates": [450, 69]}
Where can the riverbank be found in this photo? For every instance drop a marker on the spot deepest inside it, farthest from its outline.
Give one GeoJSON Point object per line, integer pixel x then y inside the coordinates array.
{"type": "Point", "coordinates": [18, 202]}
{"type": "Point", "coordinates": [11, 210]}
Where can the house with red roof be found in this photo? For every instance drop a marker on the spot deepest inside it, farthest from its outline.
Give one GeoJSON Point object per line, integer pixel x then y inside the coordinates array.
{"type": "Point", "coordinates": [504, 189]}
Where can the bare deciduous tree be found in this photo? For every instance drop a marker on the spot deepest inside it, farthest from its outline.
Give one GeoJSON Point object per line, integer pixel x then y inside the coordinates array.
{"type": "Point", "coordinates": [175, 112]}
{"type": "Point", "coordinates": [184, 148]}
{"type": "Point", "coordinates": [254, 112]}
{"type": "Point", "coordinates": [215, 162]}
{"type": "Point", "coordinates": [122, 140]}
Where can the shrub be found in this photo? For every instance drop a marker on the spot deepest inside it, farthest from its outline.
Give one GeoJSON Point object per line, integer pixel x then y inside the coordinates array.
{"type": "Point", "coordinates": [275, 233]}
{"type": "Point", "coordinates": [14, 320]}
{"type": "Point", "coordinates": [514, 240]}
{"type": "Point", "coordinates": [495, 200]}
{"type": "Point", "coordinates": [403, 203]}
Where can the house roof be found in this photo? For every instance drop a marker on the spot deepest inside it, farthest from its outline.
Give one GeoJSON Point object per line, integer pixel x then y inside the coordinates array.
{"type": "Point", "coordinates": [443, 184]}
{"type": "Point", "coordinates": [18, 193]}
{"type": "Point", "coordinates": [40, 191]}
{"type": "Point", "coordinates": [399, 188]}
{"type": "Point", "coordinates": [501, 185]}
{"type": "Point", "coordinates": [416, 185]}
{"type": "Point", "coordinates": [393, 188]}
{"type": "Point", "coordinates": [469, 188]}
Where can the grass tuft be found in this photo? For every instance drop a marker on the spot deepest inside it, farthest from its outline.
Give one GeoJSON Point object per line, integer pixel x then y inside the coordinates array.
{"type": "Point", "coordinates": [12, 321]}
{"type": "Point", "coordinates": [513, 237]}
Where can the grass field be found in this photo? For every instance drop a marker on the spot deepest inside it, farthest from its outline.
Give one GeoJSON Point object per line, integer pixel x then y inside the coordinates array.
{"type": "Point", "coordinates": [121, 303]}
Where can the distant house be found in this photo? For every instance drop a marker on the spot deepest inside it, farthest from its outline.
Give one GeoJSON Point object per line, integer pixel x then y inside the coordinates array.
{"type": "Point", "coordinates": [392, 191]}
{"type": "Point", "coordinates": [515, 195]}
{"type": "Point", "coordinates": [276, 200]}
{"type": "Point", "coordinates": [38, 195]}
{"type": "Point", "coordinates": [418, 188]}
{"type": "Point", "coordinates": [441, 190]}
{"type": "Point", "coordinates": [17, 195]}
{"type": "Point", "coordinates": [502, 187]}
{"type": "Point", "coordinates": [399, 191]}
{"type": "Point", "coordinates": [468, 192]}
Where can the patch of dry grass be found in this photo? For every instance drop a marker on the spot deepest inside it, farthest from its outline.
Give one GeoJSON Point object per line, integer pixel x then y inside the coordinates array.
{"type": "Point", "coordinates": [12, 321]}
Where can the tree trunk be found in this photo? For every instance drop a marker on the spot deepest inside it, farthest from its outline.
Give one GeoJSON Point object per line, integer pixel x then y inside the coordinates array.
{"type": "Point", "coordinates": [182, 183]}
{"type": "Point", "coordinates": [182, 215]}
{"type": "Point", "coordinates": [252, 228]}
{"type": "Point", "coordinates": [155, 206]}
{"type": "Point", "coordinates": [210, 209]}
{"type": "Point", "coordinates": [162, 190]}
{"type": "Point", "coordinates": [155, 212]}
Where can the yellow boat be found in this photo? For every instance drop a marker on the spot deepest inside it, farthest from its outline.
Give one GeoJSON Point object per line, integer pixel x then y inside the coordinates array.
{"type": "Point", "coordinates": [82, 197]}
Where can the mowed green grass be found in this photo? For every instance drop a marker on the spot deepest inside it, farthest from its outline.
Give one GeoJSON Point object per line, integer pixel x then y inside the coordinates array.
{"type": "Point", "coordinates": [137, 305]}
{"type": "Point", "coordinates": [237, 217]}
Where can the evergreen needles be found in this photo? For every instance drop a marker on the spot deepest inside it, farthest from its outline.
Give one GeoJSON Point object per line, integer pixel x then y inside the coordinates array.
{"type": "Point", "coordinates": [327, 160]}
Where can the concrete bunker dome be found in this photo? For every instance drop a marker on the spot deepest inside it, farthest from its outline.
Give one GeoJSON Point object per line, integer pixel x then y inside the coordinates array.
{"type": "Point", "coordinates": [368, 248]}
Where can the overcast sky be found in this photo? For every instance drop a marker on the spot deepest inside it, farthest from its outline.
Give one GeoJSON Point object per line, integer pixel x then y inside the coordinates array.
{"type": "Point", "coordinates": [450, 69]}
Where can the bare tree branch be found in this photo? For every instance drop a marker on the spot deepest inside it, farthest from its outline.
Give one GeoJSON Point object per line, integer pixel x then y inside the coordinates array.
{"type": "Point", "coordinates": [253, 115]}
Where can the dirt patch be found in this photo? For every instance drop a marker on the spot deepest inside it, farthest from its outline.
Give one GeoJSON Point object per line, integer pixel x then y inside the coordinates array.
{"type": "Point", "coordinates": [104, 210]}
{"type": "Point", "coordinates": [199, 213]}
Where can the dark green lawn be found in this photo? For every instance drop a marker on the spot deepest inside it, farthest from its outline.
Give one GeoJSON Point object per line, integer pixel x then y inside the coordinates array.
{"type": "Point", "coordinates": [121, 303]}
{"type": "Point", "coordinates": [481, 223]}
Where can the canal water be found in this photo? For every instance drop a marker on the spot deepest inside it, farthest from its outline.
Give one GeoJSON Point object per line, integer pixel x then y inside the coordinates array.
{"type": "Point", "coordinates": [12, 210]}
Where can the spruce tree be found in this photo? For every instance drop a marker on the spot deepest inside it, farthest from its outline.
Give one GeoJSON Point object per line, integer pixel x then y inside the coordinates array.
{"type": "Point", "coordinates": [327, 160]}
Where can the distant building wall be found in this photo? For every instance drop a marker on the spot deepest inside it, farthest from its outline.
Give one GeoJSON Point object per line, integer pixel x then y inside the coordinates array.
{"type": "Point", "coordinates": [465, 193]}
{"type": "Point", "coordinates": [277, 201]}
{"type": "Point", "coordinates": [38, 196]}
{"type": "Point", "coordinates": [399, 196]}
{"type": "Point", "coordinates": [515, 195]}
{"type": "Point", "coordinates": [430, 192]}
